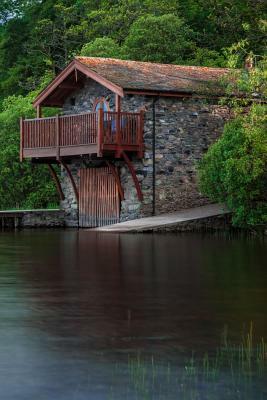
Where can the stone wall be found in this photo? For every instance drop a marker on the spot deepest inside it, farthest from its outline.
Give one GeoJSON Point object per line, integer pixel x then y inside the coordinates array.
{"type": "Point", "coordinates": [85, 98]}
{"type": "Point", "coordinates": [185, 128]}
{"type": "Point", "coordinates": [69, 205]}
{"type": "Point", "coordinates": [43, 219]}
{"type": "Point", "coordinates": [184, 131]}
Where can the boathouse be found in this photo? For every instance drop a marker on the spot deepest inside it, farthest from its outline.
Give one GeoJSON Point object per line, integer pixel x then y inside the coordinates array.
{"type": "Point", "coordinates": [128, 137]}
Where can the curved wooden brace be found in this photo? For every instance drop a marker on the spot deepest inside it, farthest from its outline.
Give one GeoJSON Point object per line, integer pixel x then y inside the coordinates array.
{"type": "Point", "coordinates": [117, 179]}
{"type": "Point", "coordinates": [57, 182]}
{"type": "Point", "coordinates": [71, 180]}
{"type": "Point", "coordinates": [131, 169]}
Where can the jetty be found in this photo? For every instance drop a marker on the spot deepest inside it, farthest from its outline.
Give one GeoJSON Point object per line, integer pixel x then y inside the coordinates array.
{"type": "Point", "coordinates": [166, 221]}
{"type": "Point", "coordinates": [14, 219]}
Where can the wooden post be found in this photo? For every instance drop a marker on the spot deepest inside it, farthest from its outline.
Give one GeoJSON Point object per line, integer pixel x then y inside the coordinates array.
{"type": "Point", "coordinates": [132, 171]}
{"type": "Point", "coordinates": [57, 181]}
{"type": "Point", "coordinates": [100, 132]}
{"type": "Point", "coordinates": [39, 111]}
{"type": "Point", "coordinates": [57, 138]}
{"type": "Point", "coordinates": [118, 124]}
{"type": "Point", "coordinates": [140, 139]}
{"type": "Point", "coordinates": [21, 139]}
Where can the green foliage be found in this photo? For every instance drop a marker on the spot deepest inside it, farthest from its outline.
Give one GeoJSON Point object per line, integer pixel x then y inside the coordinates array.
{"type": "Point", "coordinates": [207, 58]}
{"type": "Point", "coordinates": [101, 47]}
{"type": "Point", "coordinates": [21, 184]}
{"type": "Point", "coordinates": [163, 38]}
{"type": "Point", "coordinates": [36, 36]}
{"type": "Point", "coordinates": [234, 168]}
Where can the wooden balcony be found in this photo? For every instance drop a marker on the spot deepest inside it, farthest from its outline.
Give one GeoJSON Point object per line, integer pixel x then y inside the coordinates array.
{"type": "Point", "coordinates": [102, 133]}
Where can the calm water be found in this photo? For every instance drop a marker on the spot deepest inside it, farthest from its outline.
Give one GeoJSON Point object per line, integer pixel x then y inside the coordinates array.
{"type": "Point", "coordinates": [76, 305]}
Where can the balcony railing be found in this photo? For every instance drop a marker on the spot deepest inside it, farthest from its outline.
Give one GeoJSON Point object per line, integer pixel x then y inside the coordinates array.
{"type": "Point", "coordinates": [79, 134]}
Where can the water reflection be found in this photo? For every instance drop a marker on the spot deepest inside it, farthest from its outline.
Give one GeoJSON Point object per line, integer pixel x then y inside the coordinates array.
{"type": "Point", "coordinates": [76, 304]}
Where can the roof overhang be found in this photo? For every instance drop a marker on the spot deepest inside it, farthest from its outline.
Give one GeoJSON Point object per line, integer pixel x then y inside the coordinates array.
{"type": "Point", "coordinates": [46, 96]}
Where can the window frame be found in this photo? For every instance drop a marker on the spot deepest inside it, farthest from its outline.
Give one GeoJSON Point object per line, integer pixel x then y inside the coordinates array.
{"type": "Point", "coordinates": [101, 100]}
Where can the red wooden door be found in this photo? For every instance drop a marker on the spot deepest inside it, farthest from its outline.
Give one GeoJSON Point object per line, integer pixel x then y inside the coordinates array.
{"type": "Point", "coordinates": [99, 201]}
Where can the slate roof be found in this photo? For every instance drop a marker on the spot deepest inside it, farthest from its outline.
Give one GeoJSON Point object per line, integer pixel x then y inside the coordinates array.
{"type": "Point", "coordinates": [137, 75]}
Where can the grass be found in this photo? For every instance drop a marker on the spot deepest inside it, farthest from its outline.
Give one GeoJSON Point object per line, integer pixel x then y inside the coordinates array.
{"type": "Point", "coordinates": [232, 371]}
{"type": "Point", "coordinates": [50, 206]}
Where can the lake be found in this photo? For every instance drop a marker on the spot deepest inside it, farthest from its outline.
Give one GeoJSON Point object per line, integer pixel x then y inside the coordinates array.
{"type": "Point", "coordinates": [132, 316]}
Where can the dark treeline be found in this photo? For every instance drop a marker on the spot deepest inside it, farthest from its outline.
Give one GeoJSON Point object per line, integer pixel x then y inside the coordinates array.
{"type": "Point", "coordinates": [39, 37]}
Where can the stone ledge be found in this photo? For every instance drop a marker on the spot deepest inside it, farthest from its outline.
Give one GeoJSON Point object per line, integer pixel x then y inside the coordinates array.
{"type": "Point", "coordinates": [43, 219]}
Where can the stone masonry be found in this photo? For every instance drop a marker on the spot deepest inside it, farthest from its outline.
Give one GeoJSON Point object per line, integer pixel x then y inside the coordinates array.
{"type": "Point", "coordinates": [185, 128]}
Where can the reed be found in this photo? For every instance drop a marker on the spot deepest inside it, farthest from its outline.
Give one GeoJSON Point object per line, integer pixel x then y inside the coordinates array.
{"type": "Point", "coordinates": [236, 368]}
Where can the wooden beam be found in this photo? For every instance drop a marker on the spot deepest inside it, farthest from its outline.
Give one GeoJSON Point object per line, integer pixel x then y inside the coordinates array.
{"type": "Point", "coordinates": [98, 78]}
{"type": "Point", "coordinates": [57, 137]}
{"type": "Point", "coordinates": [118, 103]}
{"type": "Point", "coordinates": [57, 182]}
{"type": "Point", "coordinates": [75, 65]}
{"type": "Point", "coordinates": [21, 139]}
{"type": "Point", "coordinates": [52, 104]}
{"type": "Point", "coordinates": [71, 86]}
{"type": "Point", "coordinates": [156, 93]}
{"type": "Point", "coordinates": [140, 134]}
{"type": "Point", "coordinates": [39, 111]}
{"type": "Point", "coordinates": [72, 181]}
{"type": "Point", "coordinates": [100, 132]}
{"type": "Point", "coordinates": [132, 171]}
{"type": "Point", "coordinates": [118, 124]}
{"type": "Point", "coordinates": [117, 178]}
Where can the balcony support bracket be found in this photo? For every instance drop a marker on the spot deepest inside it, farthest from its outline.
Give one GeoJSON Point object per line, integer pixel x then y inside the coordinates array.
{"type": "Point", "coordinates": [133, 173]}
{"type": "Point", "coordinates": [114, 172]}
{"type": "Point", "coordinates": [73, 184]}
{"type": "Point", "coordinates": [57, 181]}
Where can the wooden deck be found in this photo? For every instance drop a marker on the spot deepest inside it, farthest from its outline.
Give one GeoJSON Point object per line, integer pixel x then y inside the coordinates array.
{"type": "Point", "coordinates": [13, 218]}
{"type": "Point", "coordinates": [166, 220]}
{"type": "Point", "coordinates": [97, 133]}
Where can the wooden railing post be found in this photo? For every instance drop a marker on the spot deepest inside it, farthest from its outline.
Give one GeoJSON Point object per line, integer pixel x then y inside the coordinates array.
{"type": "Point", "coordinates": [100, 132]}
{"type": "Point", "coordinates": [57, 138]}
{"type": "Point", "coordinates": [140, 134]}
{"type": "Point", "coordinates": [21, 139]}
{"type": "Point", "coordinates": [118, 128]}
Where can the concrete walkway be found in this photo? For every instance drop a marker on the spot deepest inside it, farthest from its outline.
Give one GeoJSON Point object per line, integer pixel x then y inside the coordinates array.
{"type": "Point", "coordinates": [165, 220]}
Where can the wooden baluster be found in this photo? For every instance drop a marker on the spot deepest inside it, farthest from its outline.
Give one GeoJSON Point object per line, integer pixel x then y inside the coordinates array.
{"type": "Point", "coordinates": [100, 134]}
{"type": "Point", "coordinates": [50, 131]}
{"type": "Point", "coordinates": [62, 128]}
{"type": "Point", "coordinates": [37, 133]}
{"type": "Point", "coordinates": [33, 135]}
{"type": "Point", "coordinates": [30, 129]}
{"type": "Point", "coordinates": [41, 133]}
{"type": "Point", "coordinates": [57, 138]}
{"type": "Point", "coordinates": [21, 138]}
{"type": "Point", "coordinates": [27, 135]}
{"type": "Point", "coordinates": [90, 127]}
{"type": "Point", "coordinates": [140, 129]}
{"type": "Point", "coordinates": [118, 128]}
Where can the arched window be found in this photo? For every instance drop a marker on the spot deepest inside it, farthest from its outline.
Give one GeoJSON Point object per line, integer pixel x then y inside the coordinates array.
{"type": "Point", "coordinates": [101, 102]}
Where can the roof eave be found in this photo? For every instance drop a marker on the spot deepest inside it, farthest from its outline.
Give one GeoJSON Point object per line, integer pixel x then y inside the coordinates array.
{"type": "Point", "coordinates": [72, 66]}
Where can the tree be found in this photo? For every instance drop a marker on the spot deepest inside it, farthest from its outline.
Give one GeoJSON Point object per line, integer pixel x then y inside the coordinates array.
{"type": "Point", "coordinates": [164, 38]}
{"type": "Point", "coordinates": [234, 170]}
{"type": "Point", "coordinates": [101, 47]}
{"type": "Point", "coordinates": [207, 58]}
{"type": "Point", "coordinates": [21, 184]}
